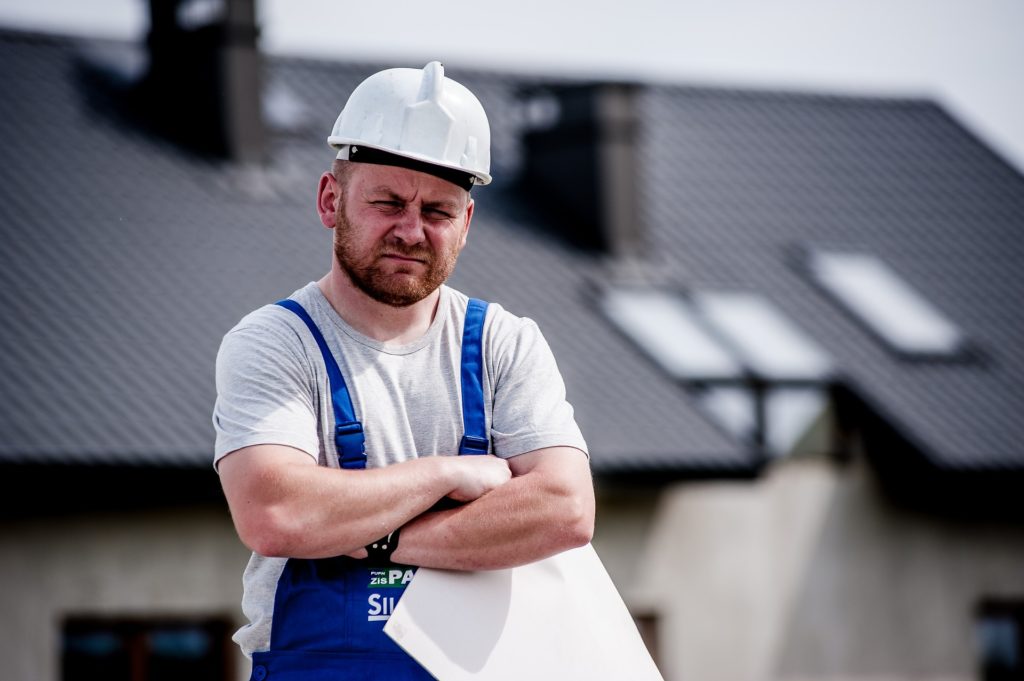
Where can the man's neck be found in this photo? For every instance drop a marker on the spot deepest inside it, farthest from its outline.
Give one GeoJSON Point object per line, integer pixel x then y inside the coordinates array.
{"type": "Point", "coordinates": [384, 323]}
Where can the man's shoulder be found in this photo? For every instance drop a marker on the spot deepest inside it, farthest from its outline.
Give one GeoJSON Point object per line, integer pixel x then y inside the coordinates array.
{"type": "Point", "coordinates": [272, 321]}
{"type": "Point", "coordinates": [499, 319]}
{"type": "Point", "coordinates": [505, 332]}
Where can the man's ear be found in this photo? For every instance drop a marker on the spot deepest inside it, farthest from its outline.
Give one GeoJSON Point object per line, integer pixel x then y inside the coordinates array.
{"type": "Point", "coordinates": [469, 219]}
{"type": "Point", "coordinates": [327, 195]}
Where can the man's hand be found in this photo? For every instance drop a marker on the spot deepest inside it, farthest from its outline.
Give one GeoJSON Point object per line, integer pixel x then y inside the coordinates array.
{"type": "Point", "coordinates": [478, 474]}
{"type": "Point", "coordinates": [547, 507]}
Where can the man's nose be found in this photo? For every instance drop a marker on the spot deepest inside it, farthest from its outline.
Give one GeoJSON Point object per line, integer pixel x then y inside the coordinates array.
{"type": "Point", "coordinates": [409, 226]}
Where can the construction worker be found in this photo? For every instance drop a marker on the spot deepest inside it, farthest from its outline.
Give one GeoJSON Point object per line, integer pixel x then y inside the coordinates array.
{"type": "Point", "coordinates": [349, 413]}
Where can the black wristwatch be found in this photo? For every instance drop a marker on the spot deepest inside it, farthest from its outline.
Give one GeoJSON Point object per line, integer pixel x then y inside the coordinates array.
{"type": "Point", "coordinates": [380, 551]}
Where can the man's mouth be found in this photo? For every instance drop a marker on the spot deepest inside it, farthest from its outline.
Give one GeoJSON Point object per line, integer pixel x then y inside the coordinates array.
{"type": "Point", "coordinates": [402, 257]}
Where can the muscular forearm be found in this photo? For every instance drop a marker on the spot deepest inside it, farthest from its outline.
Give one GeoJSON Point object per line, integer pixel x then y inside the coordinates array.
{"type": "Point", "coordinates": [284, 504]}
{"type": "Point", "coordinates": [546, 509]}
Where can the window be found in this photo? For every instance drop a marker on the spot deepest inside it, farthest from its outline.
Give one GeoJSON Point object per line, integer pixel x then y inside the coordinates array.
{"type": "Point", "coordinates": [790, 415]}
{"type": "Point", "coordinates": [647, 624]}
{"type": "Point", "coordinates": [999, 633]}
{"type": "Point", "coordinates": [876, 295]}
{"type": "Point", "coordinates": [145, 649]}
{"type": "Point", "coordinates": [753, 371]}
{"type": "Point", "coordinates": [765, 341]}
{"type": "Point", "coordinates": [665, 327]}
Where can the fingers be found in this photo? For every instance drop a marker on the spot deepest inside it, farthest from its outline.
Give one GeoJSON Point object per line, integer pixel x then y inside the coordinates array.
{"type": "Point", "coordinates": [478, 475]}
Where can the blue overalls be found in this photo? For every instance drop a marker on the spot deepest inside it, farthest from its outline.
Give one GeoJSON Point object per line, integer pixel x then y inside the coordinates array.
{"type": "Point", "coordinates": [329, 613]}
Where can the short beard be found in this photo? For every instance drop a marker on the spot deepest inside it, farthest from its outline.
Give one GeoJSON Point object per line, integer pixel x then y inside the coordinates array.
{"type": "Point", "coordinates": [394, 290]}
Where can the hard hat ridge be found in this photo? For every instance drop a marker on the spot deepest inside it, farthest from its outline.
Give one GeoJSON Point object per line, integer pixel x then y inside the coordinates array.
{"type": "Point", "coordinates": [432, 83]}
{"type": "Point", "coordinates": [418, 115]}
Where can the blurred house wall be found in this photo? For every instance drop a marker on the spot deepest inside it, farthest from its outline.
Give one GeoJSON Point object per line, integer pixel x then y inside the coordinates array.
{"type": "Point", "coordinates": [806, 573]}
{"type": "Point", "coordinates": [145, 564]}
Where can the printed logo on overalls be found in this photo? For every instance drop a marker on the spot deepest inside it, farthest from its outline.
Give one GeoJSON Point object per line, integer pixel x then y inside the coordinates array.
{"type": "Point", "coordinates": [379, 606]}
{"type": "Point", "coordinates": [390, 579]}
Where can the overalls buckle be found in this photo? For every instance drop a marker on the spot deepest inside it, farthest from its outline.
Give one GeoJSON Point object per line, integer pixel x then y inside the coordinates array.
{"type": "Point", "coordinates": [351, 445]}
{"type": "Point", "coordinates": [472, 444]}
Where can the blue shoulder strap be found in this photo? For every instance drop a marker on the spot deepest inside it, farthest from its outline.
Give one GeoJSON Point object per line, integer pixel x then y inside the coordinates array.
{"type": "Point", "coordinates": [348, 432]}
{"type": "Point", "coordinates": [474, 416]}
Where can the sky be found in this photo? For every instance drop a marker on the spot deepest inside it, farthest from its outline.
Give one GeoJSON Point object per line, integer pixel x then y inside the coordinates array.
{"type": "Point", "coordinates": [966, 54]}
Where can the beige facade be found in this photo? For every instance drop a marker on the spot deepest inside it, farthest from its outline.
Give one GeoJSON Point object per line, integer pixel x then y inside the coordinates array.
{"type": "Point", "coordinates": [806, 573]}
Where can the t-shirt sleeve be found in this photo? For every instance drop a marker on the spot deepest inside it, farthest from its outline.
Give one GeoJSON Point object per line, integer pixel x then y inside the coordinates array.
{"type": "Point", "coordinates": [530, 410]}
{"type": "Point", "coordinates": [265, 391]}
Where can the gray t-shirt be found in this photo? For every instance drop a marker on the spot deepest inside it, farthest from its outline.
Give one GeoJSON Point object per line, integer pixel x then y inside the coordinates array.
{"type": "Point", "coordinates": [272, 388]}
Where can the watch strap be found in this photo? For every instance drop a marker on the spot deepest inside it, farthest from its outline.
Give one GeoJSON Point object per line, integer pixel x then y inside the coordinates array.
{"type": "Point", "coordinates": [380, 551]}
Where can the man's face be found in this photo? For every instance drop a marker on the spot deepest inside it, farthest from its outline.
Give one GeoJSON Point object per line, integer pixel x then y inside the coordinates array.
{"type": "Point", "coordinates": [399, 232]}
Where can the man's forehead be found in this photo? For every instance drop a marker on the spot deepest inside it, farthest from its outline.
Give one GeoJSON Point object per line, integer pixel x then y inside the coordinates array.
{"type": "Point", "coordinates": [406, 183]}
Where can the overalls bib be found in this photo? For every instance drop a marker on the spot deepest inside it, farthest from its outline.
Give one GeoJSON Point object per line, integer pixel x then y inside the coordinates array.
{"type": "Point", "coordinates": [329, 613]}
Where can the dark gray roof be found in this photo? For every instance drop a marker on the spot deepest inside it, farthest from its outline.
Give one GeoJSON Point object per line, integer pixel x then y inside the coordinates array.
{"type": "Point", "coordinates": [126, 258]}
{"type": "Point", "coordinates": [738, 184]}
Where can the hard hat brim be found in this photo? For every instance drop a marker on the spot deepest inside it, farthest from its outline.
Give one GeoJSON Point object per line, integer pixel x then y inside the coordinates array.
{"type": "Point", "coordinates": [342, 144]}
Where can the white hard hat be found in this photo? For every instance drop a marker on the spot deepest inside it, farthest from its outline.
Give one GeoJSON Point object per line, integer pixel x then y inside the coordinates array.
{"type": "Point", "coordinates": [430, 122]}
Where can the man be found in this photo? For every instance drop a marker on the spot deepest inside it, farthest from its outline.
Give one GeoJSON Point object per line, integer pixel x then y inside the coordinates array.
{"type": "Point", "coordinates": [341, 410]}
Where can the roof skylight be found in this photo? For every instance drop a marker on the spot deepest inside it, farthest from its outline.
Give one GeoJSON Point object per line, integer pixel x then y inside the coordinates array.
{"type": "Point", "coordinates": [883, 301]}
{"type": "Point", "coordinates": [663, 326]}
{"type": "Point", "coordinates": [789, 414]}
{"type": "Point", "coordinates": [718, 343]}
{"type": "Point", "coordinates": [764, 339]}
{"type": "Point", "coordinates": [716, 336]}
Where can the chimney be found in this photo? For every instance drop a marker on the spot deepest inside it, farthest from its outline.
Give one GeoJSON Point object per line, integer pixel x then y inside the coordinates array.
{"type": "Point", "coordinates": [202, 88]}
{"type": "Point", "coordinates": [580, 163]}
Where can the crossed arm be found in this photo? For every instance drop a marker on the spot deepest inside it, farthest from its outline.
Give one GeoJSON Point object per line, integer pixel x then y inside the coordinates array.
{"type": "Point", "coordinates": [519, 510]}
